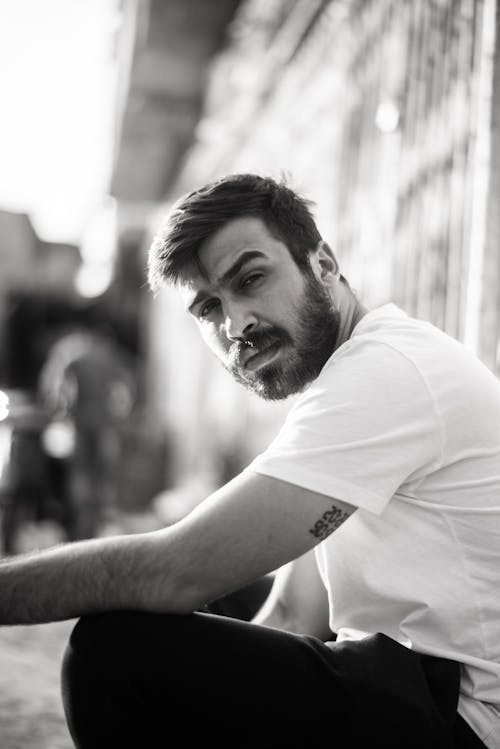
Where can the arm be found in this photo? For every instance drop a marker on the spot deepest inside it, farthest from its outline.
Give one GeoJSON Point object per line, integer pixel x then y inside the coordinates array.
{"type": "Point", "coordinates": [251, 526]}
{"type": "Point", "coordinates": [298, 600]}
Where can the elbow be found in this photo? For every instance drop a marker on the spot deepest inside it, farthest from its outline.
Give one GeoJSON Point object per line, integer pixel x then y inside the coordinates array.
{"type": "Point", "coordinates": [183, 601]}
{"type": "Point", "coordinates": [181, 597]}
{"type": "Point", "coordinates": [165, 581]}
{"type": "Point", "coordinates": [167, 597]}
{"type": "Point", "coordinates": [173, 594]}
{"type": "Point", "coordinates": [142, 577]}
{"type": "Point", "coordinates": [188, 596]}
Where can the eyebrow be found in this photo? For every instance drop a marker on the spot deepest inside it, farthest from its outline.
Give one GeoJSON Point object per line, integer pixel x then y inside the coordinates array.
{"type": "Point", "coordinates": [238, 264]}
{"type": "Point", "coordinates": [229, 274]}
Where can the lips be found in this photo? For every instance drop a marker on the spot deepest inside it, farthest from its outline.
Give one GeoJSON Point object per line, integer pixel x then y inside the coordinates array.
{"type": "Point", "coordinates": [255, 360]}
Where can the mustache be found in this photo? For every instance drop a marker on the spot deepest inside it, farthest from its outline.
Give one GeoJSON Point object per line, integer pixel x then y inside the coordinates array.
{"type": "Point", "coordinates": [257, 340]}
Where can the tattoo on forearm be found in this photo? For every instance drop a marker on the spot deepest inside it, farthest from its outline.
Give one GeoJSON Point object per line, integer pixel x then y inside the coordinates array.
{"type": "Point", "coordinates": [328, 522]}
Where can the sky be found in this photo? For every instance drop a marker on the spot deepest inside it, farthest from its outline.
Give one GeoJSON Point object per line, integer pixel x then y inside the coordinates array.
{"type": "Point", "coordinates": [57, 87]}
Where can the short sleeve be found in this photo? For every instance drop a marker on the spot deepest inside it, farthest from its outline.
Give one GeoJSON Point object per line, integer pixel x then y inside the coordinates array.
{"type": "Point", "coordinates": [364, 427]}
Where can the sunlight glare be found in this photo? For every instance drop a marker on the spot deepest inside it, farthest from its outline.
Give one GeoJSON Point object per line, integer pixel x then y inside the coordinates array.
{"type": "Point", "coordinates": [57, 81]}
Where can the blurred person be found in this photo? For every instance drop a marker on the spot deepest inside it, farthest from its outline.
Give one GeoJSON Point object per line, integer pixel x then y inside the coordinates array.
{"type": "Point", "coordinates": [88, 383]}
{"type": "Point", "coordinates": [25, 491]}
{"type": "Point", "coordinates": [376, 505]}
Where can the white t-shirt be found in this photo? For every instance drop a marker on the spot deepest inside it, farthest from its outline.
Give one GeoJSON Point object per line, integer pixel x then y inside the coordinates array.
{"type": "Point", "coordinates": [404, 423]}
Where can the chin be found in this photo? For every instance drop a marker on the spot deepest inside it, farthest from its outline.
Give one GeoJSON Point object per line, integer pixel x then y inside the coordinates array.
{"type": "Point", "coordinates": [274, 386]}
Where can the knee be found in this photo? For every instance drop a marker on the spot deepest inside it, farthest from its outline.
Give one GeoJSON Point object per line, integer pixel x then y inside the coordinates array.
{"type": "Point", "coordinates": [115, 637]}
{"type": "Point", "coordinates": [92, 642]}
{"type": "Point", "coordinates": [94, 631]}
{"type": "Point", "coordinates": [81, 656]}
{"type": "Point", "coordinates": [100, 642]}
{"type": "Point", "coordinates": [89, 677]}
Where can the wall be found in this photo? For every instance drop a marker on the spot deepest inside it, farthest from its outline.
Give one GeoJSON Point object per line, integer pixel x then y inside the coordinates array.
{"type": "Point", "coordinates": [386, 115]}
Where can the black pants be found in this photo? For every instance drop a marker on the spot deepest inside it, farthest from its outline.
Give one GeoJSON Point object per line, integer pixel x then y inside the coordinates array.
{"type": "Point", "coordinates": [151, 680]}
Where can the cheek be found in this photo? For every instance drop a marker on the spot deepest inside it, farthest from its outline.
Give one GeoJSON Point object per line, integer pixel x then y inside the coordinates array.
{"type": "Point", "coordinates": [218, 344]}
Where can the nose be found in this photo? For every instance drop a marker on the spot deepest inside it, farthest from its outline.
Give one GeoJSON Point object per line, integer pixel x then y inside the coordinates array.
{"type": "Point", "coordinates": [238, 323]}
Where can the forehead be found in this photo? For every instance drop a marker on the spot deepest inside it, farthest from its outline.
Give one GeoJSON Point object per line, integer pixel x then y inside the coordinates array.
{"type": "Point", "coordinates": [236, 236]}
{"type": "Point", "coordinates": [241, 237]}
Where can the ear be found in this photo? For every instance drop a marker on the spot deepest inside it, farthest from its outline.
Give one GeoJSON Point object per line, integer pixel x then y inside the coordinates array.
{"type": "Point", "coordinates": [324, 264]}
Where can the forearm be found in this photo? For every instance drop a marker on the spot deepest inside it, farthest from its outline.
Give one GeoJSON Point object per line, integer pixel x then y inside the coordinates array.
{"type": "Point", "coordinates": [179, 568]}
{"type": "Point", "coordinates": [72, 579]}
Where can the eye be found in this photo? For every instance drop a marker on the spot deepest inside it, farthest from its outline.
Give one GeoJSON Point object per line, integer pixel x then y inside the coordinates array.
{"type": "Point", "coordinates": [207, 307]}
{"type": "Point", "coordinates": [250, 279]}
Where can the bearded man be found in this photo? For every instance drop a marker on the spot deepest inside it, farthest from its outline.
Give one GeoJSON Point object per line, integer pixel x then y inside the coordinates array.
{"type": "Point", "coordinates": [376, 505]}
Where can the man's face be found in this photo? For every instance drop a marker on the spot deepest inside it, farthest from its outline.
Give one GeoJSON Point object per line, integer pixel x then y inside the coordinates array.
{"type": "Point", "coordinates": [272, 326]}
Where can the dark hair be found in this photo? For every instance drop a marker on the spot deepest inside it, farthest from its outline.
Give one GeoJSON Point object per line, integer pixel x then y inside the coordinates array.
{"type": "Point", "coordinates": [198, 215]}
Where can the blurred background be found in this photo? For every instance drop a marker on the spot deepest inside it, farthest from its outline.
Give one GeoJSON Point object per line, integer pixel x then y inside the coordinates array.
{"type": "Point", "coordinates": [385, 114]}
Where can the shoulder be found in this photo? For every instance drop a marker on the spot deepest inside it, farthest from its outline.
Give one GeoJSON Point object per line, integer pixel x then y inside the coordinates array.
{"type": "Point", "coordinates": [366, 370]}
{"type": "Point", "coordinates": [390, 350]}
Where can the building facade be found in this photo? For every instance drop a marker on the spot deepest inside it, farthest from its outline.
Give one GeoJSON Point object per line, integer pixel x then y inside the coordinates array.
{"type": "Point", "coordinates": [386, 115]}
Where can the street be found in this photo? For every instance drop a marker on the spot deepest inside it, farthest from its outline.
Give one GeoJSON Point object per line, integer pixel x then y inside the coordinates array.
{"type": "Point", "coordinates": [31, 714]}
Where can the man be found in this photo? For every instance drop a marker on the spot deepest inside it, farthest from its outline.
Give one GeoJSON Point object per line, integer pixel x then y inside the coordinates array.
{"type": "Point", "coordinates": [381, 489]}
{"type": "Point", "coordinates": [88, 380]}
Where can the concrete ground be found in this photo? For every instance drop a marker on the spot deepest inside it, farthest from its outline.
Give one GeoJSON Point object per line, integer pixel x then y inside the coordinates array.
{"type": "Point", "coordinates": [31, 713]}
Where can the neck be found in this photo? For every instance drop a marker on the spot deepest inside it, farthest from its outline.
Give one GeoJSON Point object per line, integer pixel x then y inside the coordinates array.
{"type": "Point", "coordinates": [351, 311]}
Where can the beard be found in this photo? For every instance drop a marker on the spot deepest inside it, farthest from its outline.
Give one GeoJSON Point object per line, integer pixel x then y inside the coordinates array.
{"type": "Point", "coordinates": [302, 356]}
